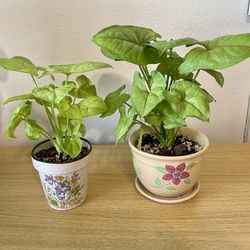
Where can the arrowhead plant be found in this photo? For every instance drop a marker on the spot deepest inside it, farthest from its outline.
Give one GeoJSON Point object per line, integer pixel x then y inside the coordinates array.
{"type": "Point", "coordinates": [66, 104]}
{"type": "Point", "coordinates": [162, 99]}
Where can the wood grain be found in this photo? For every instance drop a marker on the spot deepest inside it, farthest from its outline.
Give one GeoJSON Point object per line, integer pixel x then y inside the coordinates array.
{"type": "Point", "coordinates": [116, 216]}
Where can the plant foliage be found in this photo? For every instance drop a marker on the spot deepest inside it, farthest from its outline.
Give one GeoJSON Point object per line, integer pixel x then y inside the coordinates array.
{"type": "Point", "coordinates": [162, 100]}
{"type": "Point", "coordinates": [66, 105]}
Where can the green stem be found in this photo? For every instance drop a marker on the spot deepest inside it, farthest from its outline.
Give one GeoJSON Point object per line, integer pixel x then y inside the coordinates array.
{"type": "Point", "coordinates": [146, 71]}
{"type": "Point", "coordinates": [145, 77]}
{"type": "Point", "coordinates": [34, 80]}
{"type": "Point", "coordinates": [56, 128]}
{"type": "Point", "coordinates": [128, 105]}
{"type": "Point", "coordinates": [198, 71]}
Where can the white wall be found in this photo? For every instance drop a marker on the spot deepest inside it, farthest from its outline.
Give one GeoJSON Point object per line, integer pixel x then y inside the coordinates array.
{"type": "Point", "coordinates": [59, 31]}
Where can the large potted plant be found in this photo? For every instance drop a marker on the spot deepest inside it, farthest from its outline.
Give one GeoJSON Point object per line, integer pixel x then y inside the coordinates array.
{"type": "Point", "coordinates": [166, 153]}
{"type": "Point", "coordinates": [62, 160]}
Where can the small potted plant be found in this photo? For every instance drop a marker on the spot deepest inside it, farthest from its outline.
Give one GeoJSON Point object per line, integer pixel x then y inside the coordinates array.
{"type": "Point", "coordinates": [166, 153]}
{"type": "Point", "coordinates": [62, 159]}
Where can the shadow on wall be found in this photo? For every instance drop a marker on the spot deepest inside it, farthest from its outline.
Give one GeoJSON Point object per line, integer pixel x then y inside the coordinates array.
{"type": "Point", "coordinates": [102, 131]}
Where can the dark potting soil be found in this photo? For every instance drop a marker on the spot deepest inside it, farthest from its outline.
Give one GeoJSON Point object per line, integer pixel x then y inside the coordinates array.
{"type": "Point", "coordinates": [182, 145]}
{"type": "Point", "coordinates": [50, 155]}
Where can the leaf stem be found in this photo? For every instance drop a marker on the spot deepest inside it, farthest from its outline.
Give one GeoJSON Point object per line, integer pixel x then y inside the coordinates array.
{"type": "Point", "coordinates": [198, 71]}
{"type": "Point", "coordinates": [145, 77]}
{"type": "Point", "coordinates": [34, 80]}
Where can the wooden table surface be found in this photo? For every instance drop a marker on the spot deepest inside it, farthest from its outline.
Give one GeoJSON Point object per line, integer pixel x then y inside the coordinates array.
{"type": "Point", "coordinates": [116, 216]}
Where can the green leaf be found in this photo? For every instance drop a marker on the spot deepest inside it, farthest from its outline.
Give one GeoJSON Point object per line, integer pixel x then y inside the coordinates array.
{"type": "Point", "coordinates": [74, 126]}
{"type": "Point", "coordinates": [32, 130]}
{"type": "Point", "coordinates": [63, 123]}
{"type": "Point", "coordinates": [18, 98]}
{"type": "Point", "coordinates": [168, 116]}
{"type": "Point", "coordinates": [62, 91]}
{"type": "Point", "coordinates": [219, 53]}
{"type": "Point", "coordinates": [82, 130]}
{"type": "Point", "coordinates": [158, 182]}
{"type": "Point", "coordinates": [114, 101]}
{"type": "Point", "coordinates": [73, 111]}
{"type": "Point", "coordinates": [73, 145]}
{"type": "Point", "coordinates": [216, 75]}
{"type": "Point", "coordinates": [19, 64]}
{"type": "Point", "coordinates": [187, 181]}
{"type": "Point", "coordinates": [170, 67]}
{"type": "Point", "coordinates": [142, 100]}
{"type": "Point", "coordinates": [23, 110]}
{"type": "Point", "coordinates": [128, 43]}
{"type": "Point", "coordinates": [45, 94]}
{"type": "Point", "coordinates": [92, 105]}
{"type": "Point", "coordinates": [154, 119]}
{"type": "Point", "coordinates": [86, 89]}
{"type": "Point", "coordinates": [161, 170]}
{"type": "Point", "coordinates": [190, 165]}
{"type": "Point", "coordinates": [187, 99]}
{"type": "Point", "coordinates": [79, 68]}
{"type": "Point", "coordinates": [125, 123]}
{"type": "Point", "coordinates": [162, 46]}
{"type": "Point", "coordinates": [171, 188]}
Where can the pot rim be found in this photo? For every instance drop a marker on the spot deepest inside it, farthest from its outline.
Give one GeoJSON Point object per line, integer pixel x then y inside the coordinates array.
{"type": "Point", "coordinates": [70, 161]}
{"type": "Point", "coordinates": [169, 158]}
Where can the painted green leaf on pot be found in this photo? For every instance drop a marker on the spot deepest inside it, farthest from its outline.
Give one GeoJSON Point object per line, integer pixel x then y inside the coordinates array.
{"type": "Point", "coordinates": [92, 105]}
{"type": "Point", "coordinates": [114, 101]}
{"type": "Point", "coordinates": [145, 100]}
{"type": "Point", "coordinates": [19, 64]}
{"type": "Point", "coordinates": [22, 111]}
{"type": "Point", "coordinates": [161, 170]}
{"type": "Point", "coordinates": [73, 145]}
{"type": "Point", "coordinates": [128, 43]}
{"type": "Point", "coordinates": [219, 53]}
{"type": "Point", "coordinates": [32, 130]}
{"type": "Point", "coordinates": [188, 100]}
{"type": "Point", "coordinates": [187, 181]}
{"type": "Point", "coordinates": [190, 165]}
{"type": "Point", "coordinates": [158, 182]}
{"type": "Point", "coordinates": [79, 68]}
{"type": "Point", "coordinates": [171, 188]}
{"type": "Point", "coordinates": [126, 122]}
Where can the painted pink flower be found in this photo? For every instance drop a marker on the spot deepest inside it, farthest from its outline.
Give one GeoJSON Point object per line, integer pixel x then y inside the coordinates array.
{"type": "Point", "coordinates": [176, 174]}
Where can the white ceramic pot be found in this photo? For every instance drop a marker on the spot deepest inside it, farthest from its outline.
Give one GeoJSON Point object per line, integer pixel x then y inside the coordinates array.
{"type": "Point", "coordinates": [64, 184]}
{"type": "Point", "coordinates": [168, 176]}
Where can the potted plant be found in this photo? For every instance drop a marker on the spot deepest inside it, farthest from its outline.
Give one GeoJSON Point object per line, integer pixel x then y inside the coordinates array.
{"type": "Point", "coordinates": [166, 153]}
{"type": "Point", "coordinates": [62, 159]}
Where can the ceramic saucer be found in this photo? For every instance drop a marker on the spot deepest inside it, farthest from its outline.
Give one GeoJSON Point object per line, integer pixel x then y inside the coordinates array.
{"type": "Point", "coordinates": [160, 199]}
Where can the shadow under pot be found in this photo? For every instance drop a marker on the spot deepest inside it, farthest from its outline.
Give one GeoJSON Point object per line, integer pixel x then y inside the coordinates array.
{"type": "Point", "coordinates": [64, 184]}
{"type": "Point", "coordinates": [169, 179]}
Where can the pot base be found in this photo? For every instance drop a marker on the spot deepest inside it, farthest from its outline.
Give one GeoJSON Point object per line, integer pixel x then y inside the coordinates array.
{"type": "Point", "coordinates": [190, 194]}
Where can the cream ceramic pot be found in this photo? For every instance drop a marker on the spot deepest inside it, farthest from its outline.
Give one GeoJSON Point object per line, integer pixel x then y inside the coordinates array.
{"type": "Point", "coordinates": [64, 184]}
{"type": "Point", "coordinates": [169, 176]}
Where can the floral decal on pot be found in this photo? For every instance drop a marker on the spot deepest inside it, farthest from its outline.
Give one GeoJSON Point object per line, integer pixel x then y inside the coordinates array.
{"type": "Point", "coordinates": [63, 192]}
{"type": "Point", "coordinates": [173, 176]}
